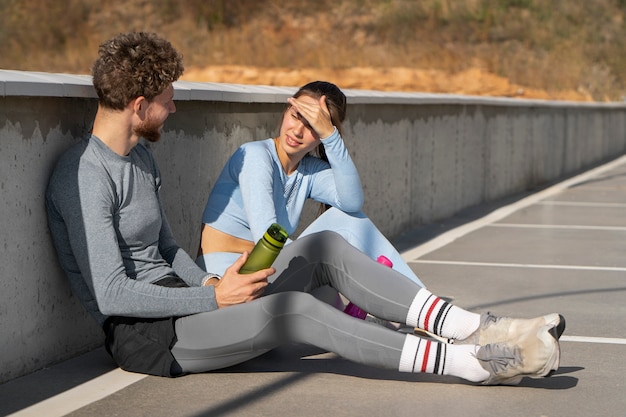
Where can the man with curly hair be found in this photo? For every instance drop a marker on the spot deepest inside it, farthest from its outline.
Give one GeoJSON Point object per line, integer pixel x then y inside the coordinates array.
{"type": "Point", "coordinates": [164, 315]}
{"type": "Point", "coordinates": [106, 216]}
{"type": "Point", "coordinates": [137, 69]}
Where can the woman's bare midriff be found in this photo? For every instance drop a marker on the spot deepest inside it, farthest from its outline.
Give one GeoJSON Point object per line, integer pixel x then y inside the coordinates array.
{"type": "Point", "coordinates": [213, 240]}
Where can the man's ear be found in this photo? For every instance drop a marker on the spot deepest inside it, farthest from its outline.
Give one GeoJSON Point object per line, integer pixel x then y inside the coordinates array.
{"type": "Point", "coordinates": [140, 105]}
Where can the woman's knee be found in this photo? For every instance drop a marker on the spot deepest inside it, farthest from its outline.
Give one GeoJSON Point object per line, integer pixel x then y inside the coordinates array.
{"type": "Point", "coordinates": [322, 239]}
{"type": "Point", "coordinates": [334, 214]}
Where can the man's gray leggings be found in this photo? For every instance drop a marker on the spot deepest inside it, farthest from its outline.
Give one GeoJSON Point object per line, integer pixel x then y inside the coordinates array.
{"type": "Point", "coordinates": [287, 313]}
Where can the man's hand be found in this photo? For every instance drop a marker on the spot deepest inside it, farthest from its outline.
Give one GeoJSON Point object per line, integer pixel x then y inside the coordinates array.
{"type": "Point", "coordinates": [235, 288]}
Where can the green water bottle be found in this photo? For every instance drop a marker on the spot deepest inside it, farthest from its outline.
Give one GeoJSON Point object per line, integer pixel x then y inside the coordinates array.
{"type": "Point", "coordinates": [266, 250]}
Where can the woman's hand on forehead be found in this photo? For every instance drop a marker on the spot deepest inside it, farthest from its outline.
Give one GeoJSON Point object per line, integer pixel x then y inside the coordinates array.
{"type": "Point", "coordinates": [315, 113]}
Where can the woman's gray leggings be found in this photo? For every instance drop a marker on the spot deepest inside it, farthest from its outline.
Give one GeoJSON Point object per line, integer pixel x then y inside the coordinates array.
{"type": "Point", "coordinates": [288, 314]}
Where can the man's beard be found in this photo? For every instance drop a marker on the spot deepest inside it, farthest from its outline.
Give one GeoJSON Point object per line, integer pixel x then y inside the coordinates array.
{"type": "Point", "coordinates": [149, 129]}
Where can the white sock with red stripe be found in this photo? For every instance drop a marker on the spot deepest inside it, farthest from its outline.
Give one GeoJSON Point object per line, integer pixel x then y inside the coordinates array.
{"type": "Point", "coordinates": [427, 356]}
{"type": "Point", "coordinates": [431, 313]}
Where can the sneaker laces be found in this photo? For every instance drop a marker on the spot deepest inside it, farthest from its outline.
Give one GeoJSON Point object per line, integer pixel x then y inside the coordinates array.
{"type": "Point", "coordinates": [498, 357]}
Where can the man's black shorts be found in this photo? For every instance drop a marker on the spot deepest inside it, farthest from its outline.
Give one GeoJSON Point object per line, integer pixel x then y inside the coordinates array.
{"type": "Point", "coordinates": [144, 345]}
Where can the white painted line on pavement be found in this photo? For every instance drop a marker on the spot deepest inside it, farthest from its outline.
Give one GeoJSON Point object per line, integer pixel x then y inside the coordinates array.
{"type": "Point", "coordinates": [458, 232]}
{"type": "Point", "coordinates": [557, 226]}
{"type": "Point", "coordinates": [517, 265]}
{"type": "Point", "coordinates": [580, 204]}
{"type": "Point", "coordinates": [585, 339]}
{"type": "Point", "coordinates": [81, 395]}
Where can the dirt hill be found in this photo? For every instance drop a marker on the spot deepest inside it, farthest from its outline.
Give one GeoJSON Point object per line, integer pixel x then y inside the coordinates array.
{"type": "Point", "coordinates": [469, 82]}
{"type": "Point", "coordinates": [566, 50]}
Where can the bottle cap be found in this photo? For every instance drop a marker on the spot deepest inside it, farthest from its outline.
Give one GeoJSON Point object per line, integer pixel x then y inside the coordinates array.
{"type": "Point", "coordinates": [276, 235]}
{"type": "Point", "coordinates": [382, 259]}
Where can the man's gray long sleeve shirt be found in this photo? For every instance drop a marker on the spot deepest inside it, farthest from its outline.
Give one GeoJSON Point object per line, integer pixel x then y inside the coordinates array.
{"type": "Point", "coordinates": [113, 239]}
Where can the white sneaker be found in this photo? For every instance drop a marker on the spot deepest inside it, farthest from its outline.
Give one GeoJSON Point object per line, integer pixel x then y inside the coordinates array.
{"type": "Point", "coordinates": [534, 354]}
{"type": "Point", "coordinates": [494, 329]}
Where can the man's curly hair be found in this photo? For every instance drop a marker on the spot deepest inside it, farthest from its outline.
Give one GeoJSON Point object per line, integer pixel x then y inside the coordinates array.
{"type": "Point", "coordinates": [134, 64]}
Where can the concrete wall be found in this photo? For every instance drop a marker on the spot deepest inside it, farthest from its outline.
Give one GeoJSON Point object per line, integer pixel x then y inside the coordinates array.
{"type": "Point", "coordinates": [422, 158]}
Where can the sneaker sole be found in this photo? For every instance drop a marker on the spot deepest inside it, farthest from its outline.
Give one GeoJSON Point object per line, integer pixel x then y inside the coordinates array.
{"type": "Point", "coordinates": [556, 333]}
{"type": "Point", "coordinates": [558, 323]}
{"type": "Point", "coordinates": [559, 328]}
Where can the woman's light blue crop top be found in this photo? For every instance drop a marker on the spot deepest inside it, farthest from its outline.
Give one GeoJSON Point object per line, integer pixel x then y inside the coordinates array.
{"type": "Point", "coordinates": [253, 191]}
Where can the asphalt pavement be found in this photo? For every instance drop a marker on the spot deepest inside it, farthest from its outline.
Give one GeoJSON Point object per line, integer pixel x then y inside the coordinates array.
{"type": "Point", "coordinates": [561, 249]}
